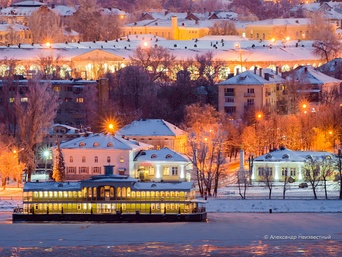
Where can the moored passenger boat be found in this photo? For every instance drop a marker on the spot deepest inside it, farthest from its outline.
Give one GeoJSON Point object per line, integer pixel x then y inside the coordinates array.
{"type": "Point", "coordinates": [110, 198]}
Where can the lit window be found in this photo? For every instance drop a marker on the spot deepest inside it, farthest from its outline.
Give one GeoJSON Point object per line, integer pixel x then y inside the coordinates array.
{"type": "Point", "coordinates": [11, 100]}
{"type": "Point", "coordinates": [56, 89]}
{"type": "Point", "coordinates": [166, 171]}
{"type": "Point", "coordinates": [122, 159]}
{"type": "Point", "coordinates": [79, 100]}
{"type": "Point", "coordinates": [24, 99]}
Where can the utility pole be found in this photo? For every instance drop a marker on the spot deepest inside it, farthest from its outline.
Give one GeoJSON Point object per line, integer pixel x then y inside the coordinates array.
{"type": "Point", "coordinates": [340, 171]}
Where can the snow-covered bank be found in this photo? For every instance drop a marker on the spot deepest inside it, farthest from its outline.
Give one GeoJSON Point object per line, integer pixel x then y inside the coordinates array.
{"type": "Point", "coordinates": [290, 206]}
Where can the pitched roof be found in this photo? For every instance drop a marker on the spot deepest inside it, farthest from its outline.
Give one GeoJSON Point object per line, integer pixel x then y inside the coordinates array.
{"type": "Point", "coordinates": [291, 156]}
{"type": "Point", "coordinates": [253, 78]}
{"type": "Point", "coordinates": [103, 141]}
{"type": "Point", "coordinates": [150, 127]}
{"type": "Point", "coordinates": [164, 154]}
{"type": "Point", "coordinates": [312, 76]}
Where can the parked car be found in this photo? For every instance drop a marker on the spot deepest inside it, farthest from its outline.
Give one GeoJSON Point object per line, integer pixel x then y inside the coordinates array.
{"type": "Point", "coordinates": [303, 185]}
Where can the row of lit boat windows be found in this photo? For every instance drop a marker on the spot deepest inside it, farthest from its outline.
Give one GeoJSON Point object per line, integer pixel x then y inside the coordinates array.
{"type": "Point", "coordinates": [120, 193]}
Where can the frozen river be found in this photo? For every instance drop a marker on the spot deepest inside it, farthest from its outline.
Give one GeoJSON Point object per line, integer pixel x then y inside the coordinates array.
{"type": "Point", "coordinates": [225, 234]}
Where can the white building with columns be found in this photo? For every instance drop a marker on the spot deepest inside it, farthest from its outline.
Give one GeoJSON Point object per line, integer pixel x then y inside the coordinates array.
{"type": "Point", "coordinates": [284, 163]}
{"type": "Point", "coordinates": [162, 165]}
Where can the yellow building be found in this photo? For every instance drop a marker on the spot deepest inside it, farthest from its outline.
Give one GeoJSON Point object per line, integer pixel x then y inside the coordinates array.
{"type": "Point", "coordinates": [277, 29]}
{"type": "Point", "coordinates": [249, 91]}
{"type": "Point", "coordinates": [172, 29]}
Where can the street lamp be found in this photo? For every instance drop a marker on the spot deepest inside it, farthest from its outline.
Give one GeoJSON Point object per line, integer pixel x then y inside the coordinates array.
{"type": "Point", "coordinates": [46, 154]}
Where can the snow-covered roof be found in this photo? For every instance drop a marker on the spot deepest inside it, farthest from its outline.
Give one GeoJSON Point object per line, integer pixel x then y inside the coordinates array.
{"type": "Point", "coordinates": [103, 141]}
{"type": "Point", "coordinates": [222, 48]}
{"type": "Point", "coordinates": [280, 22]}
{"type": "Point", "coordinates": [154, 186]}
{"type": "Point", "coordinates": [51, 186]}
{"type": "Point", "coordinates": [287, 155]}
{"type": "Point", "coordinates": [150, 127]}
{"type": "Point", "coordinates": [308, 74]}
{"type": "Point", "coordinates": [161, 155]}
{"type": "Point", "coordinates": [28, 3]}
{"type": "Point", "coordinates": [254, 78]}
{"type": "Point", "coordinates": [69, 130]}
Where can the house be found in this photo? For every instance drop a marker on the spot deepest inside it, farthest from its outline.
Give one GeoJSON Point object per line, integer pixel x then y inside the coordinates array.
{"type": "Point", "coordinates": [317, 86]}
{"type": "Point", "coordinates": [156, 132]}
{"type": "Point", "coordinates": [249, 90]}
{"type": "Point", "coordinates": [285, 163]}
{"type": "Point", "coordinates": [87, 155]}
{"type": "Point", "coordinates": [162, 165]}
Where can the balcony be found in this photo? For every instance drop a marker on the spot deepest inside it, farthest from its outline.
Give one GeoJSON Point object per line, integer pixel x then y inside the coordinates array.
{"type": "Point", "coordinates": [249, 94]}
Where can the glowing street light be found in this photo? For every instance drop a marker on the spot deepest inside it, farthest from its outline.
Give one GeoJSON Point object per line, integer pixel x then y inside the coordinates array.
{"type": "Point", "coordinates": [46, 154]}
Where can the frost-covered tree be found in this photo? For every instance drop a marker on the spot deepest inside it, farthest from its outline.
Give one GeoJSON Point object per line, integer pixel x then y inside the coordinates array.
{"type": "Point", "coordinates": [46, 26]}
{"type": "Point", "coordinates": [58, 172]}
{"type": "Point", "coordinates": [10, 167]}
{"type": "Point", "coordinates": [34, 116]}
{"type": "Point", "coordinates": [224, 27]}
{"type": "Point", "coordinates": [206, 140]}
{"type": "Point", "coordinates": [157, 60]}
{"type": "Point", "coordinates": [326, 45]}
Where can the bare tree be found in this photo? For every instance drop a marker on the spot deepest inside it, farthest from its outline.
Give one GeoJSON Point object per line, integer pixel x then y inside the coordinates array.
{"type": "Point", "coordinates": [46, 26]}
{"type": "Point", "coordinates": [242, 180]}
{"type": "Point", "coordinates": [34, 116]}
{"type": "Point", "coordinates": [86, 20]}
{"type": "Point", "coordinates": [311, 174]}
{"type": "Point", "coordinates": [326, 168]}
{"type": "Point", "coordinates": [224, 27]}
{"type": "Point", "coordinates": [157, 60]}
{"type": "Point", "coordinates": [205, 144]}
{"type": "Point", "coordinates": [326, 45]}
{"type": "Point", "coordinates": [339, 166]}
{"type": "Point", "coordinates": [267, 177]}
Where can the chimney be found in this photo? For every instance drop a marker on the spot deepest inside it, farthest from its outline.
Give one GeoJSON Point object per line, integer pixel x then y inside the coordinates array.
{"type": "Point", "coordinates": [237, 71]}
{"type": "Point", "coordinates": [277, 70]}
{"type": "Point", "coordinates": [267, 76]}
{"type": "Point", "coordinates": [260, 72]}
{"type": "Point", "coordinates": [305, 69]}
{"type": "Point", "coordinates": [255, 70]}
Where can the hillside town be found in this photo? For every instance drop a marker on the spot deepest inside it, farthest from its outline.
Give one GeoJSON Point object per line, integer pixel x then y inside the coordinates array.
{"type": "Point", "coordinates": [201, 84]}
{"type": "Point", "coordinates": [169, 111]}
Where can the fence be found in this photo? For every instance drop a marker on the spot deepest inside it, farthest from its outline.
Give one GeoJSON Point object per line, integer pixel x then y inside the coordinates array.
{"type": "Point", "coordinates": [276, 197]}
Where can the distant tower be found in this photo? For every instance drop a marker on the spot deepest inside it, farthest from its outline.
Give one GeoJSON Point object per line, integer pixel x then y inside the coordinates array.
{"type": "Point", "coordinates": [174, 28]}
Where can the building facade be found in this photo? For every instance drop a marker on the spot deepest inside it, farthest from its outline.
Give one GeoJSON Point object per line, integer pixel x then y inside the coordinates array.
{"type": "Point", "coordinates": [284, 164]}
{"type": "Point", "coordinates": [86, 156]}
{"type": "Point", "coordinates": [249, 91]}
